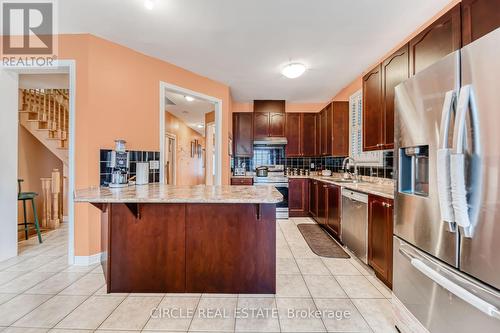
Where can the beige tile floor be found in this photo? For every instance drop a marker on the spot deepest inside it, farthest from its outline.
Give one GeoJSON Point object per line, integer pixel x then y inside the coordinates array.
{"type": "Point", "coordinates": [40, 292]}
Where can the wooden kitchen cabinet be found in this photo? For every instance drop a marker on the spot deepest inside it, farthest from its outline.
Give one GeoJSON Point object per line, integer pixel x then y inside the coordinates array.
{"type": "Point", "coordinates": [394, 71]}
{"type": "Point", "coordinates": [242, 181]}
{"type": "Point", "coordinates": [318, 134]}
{"type": "Point", "coordinates": [378, 100]}
{"type": "Point", "coordinates": [326, 127]}
{"type": "Point", "coordinates": [439, 39]}
{"type": "Point", "coordinates": [321, 202]}
{"type": "Point", "coordinates": [380, 231]}
{"type": "Point", "coordinates": [260, 125]}
{"type": "Point", "coordinates": [479, 17]}
{"type": "Point", "coordinates": [243, 134]}
{"type": "Point", "coordinates": [277, 124]}
{"type": "Point", "coordinates": [308, 134]}
{"type": "Point", "coordinates": [333, 197]}
{"type": "Point", "coordinates": [269, 119]}
{"type": "Point", "coordinates": [340, 129]}
{"type": "Point", "coordinates": [293, 131]}
{"type": "Point", "coordinates": [313, 197]}
{"type": "Point", "coordinates": [298, 197]}
{"type": "Point", "coordinates": [372, 109]}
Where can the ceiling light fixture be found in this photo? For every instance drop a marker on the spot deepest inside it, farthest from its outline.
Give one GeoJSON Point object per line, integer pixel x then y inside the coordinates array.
{"type": "Point", "coordinates": [149, 4]}
{"type": "Point", "coordinates": [189, 98]}
{"type": "Point", "coordinates": [200, 125]}
{"type": "Point", "coordinates": [293, 70]}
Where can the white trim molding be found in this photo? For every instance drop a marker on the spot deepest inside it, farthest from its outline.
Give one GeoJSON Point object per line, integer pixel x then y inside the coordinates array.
{"type": "Point", "coordinates": [90, 260]}
{"type": "Point", "coordinates": [164, 86]}
{"type": "Point", "coordinates": [62, 67]}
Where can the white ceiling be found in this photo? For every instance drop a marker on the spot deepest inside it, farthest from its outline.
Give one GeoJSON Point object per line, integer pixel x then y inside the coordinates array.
{"type": "Point", "coordinates": [245, 43]}
{"type": "Point", "coordinates": [191, 113]}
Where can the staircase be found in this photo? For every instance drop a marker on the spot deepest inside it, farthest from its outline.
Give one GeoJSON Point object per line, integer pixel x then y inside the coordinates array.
{"type": "Point", "coordinates": [45, 114]}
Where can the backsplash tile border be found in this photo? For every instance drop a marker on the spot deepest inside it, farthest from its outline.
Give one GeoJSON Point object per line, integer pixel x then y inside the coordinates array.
{"type": "Point", "coordinates": [326, 162]}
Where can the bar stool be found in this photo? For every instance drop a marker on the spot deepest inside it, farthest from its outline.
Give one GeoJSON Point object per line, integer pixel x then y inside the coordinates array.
{"type": "Point", "coordinates": [25, 196]}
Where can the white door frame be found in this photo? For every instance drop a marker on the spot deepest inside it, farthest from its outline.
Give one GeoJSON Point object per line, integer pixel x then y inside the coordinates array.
{"type": "Point", "coordinates": [61, 67]}
{"type": "Point", "coordinates": [218, 126]}
{"type": "Point", "coordinates": [174, 137]}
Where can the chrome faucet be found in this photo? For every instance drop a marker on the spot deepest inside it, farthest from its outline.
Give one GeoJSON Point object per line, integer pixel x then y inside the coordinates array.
{"type": "Point", "coordinates": [344, 164]}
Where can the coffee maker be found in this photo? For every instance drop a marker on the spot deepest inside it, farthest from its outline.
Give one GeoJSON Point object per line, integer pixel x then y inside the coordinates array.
{"type": "Point", "coordinates": [119, 165]}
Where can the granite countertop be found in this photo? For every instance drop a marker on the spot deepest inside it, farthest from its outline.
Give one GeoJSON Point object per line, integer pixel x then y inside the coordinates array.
{"type": "Point", "coordinates": [160, 193]}
{"type": "Point", "coordinates": [382, 188]}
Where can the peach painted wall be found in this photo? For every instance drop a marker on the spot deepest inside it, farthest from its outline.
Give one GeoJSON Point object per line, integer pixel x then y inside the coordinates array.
{"type": "Point", "coordinates": [357, 83]}
{"type": "Point", "coordinates": [189, 170]}
{"type": "Point", "coordinates": [117, 96]}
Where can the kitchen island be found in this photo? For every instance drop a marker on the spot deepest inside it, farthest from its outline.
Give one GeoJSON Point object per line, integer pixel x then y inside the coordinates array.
{"type": "Point", "coordinates": [187, 239]}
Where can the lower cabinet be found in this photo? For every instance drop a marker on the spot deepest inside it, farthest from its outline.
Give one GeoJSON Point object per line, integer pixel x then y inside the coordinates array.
{"type": "Point", "coordinates": [298, 197]}
{"type": "Point", "coordinates": [247, 181]}
{"type": "Point", "coordinates": [380, 230]}
{"type": "Point", "coordinates": [322, 207]}
{"type": "Point", "coordinates": [313, 198]}
{"type": "Point", "coordinates": [333, 197]}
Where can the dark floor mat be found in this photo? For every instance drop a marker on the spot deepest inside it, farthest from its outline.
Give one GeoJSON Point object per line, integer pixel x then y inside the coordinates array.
{"type": "Point", "coordinates": [320, 242]}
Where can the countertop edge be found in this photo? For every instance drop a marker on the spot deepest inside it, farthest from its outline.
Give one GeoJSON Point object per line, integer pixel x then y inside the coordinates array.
{"type": "Point", "coordinates": [353, 187]}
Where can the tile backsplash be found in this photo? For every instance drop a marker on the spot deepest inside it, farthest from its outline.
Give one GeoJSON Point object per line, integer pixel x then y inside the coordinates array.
{"type": "Point", "coordinates": [273, 157]}
{"type": "Point", "coordinates": [135, 156]}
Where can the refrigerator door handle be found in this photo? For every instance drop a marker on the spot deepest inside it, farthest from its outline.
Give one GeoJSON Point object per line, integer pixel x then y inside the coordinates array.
{"type": "Point", "coordinates": [452, 287]}
{"type": "Point", "coordinates": [465, 200]}
{"type": "Point", "coordinates": [443, 162]}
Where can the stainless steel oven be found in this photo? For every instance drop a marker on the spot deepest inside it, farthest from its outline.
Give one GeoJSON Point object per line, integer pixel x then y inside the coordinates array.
{"type": "Point", "coordinates": [276, 177]}
{"type": "Point", "coordinates": [281, 207]}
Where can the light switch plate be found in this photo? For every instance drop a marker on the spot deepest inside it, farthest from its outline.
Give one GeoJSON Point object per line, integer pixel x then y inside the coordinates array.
{"type": "Point", "coordinates": [154, 165]}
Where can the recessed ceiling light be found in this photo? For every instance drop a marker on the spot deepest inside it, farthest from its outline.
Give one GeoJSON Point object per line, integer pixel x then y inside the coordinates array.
{"type": "Point", "coordinates": [200, 125]}
{"type": "Point", "coordinates": [189, 98]}
{"type": "Point", "coordinates": [149, 4]}
{"type": "Point", "coordinates": [293, 70]}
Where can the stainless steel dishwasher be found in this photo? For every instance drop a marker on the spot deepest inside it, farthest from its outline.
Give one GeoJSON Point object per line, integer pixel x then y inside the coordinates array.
{"type": "Point", "coordinates": [355, 223]}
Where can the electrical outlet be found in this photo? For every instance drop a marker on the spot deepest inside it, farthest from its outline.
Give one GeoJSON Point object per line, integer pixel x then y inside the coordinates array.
{"type": "Point", "coordinates": [154, 165]}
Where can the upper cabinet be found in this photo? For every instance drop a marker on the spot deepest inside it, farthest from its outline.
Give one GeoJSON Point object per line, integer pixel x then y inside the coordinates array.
{"type": "Point", "coordinates": [478, 18]}
{"type": "Point", "coordinates": [394, 71]}
{"type": "Point", "coordinates": [308, 134]}
{"type": "Point", "coordinates": [439, 39]}
{"type": "Point", "coordinates": [243, 134]}
{"type": "Point", "coordinates": [333, 126]}
{"type": "Point", "coordinates": [372, 109]}
{"type": "Point", "coordinates": [301, 134]}
{"type": "Point", "coordinates": [325, 117]}
{"type": "Point", "coordinates": [269, 119]}
{"type": "Point", "coordinates": [294, 134]}
{"type": "Point", "coordinates": [340, 129]}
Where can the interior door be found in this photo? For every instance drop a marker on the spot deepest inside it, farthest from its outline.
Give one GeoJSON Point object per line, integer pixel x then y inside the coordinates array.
{"type": "Point", "coordinates": [479, 247]}
{"type": "Point", "coordinates": [170, 160]}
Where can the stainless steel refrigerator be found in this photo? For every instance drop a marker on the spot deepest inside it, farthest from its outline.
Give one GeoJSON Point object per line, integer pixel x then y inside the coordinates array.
{"type": "Point", "coordinates": [447, 203]}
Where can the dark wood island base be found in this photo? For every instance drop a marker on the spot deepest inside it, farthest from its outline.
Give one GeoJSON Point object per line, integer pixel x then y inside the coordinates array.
{"type": "Point", "coordinates": [189, 247]}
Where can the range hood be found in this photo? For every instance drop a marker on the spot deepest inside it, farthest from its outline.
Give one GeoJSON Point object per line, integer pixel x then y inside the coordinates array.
{"type": "Point", "coordinates": [271, 141]}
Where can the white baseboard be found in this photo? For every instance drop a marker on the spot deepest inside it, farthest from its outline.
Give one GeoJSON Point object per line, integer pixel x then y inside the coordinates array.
{"type": "Point", "coordinates": [89, 260]}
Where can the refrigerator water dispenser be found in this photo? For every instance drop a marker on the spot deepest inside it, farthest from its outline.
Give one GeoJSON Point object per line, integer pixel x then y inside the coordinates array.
{"type": "Point", "coordinates": [414, 170]}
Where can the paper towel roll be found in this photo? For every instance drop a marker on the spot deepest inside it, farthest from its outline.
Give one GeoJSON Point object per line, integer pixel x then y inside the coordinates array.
{"type": "Point", "coordinates": [142, 173]}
